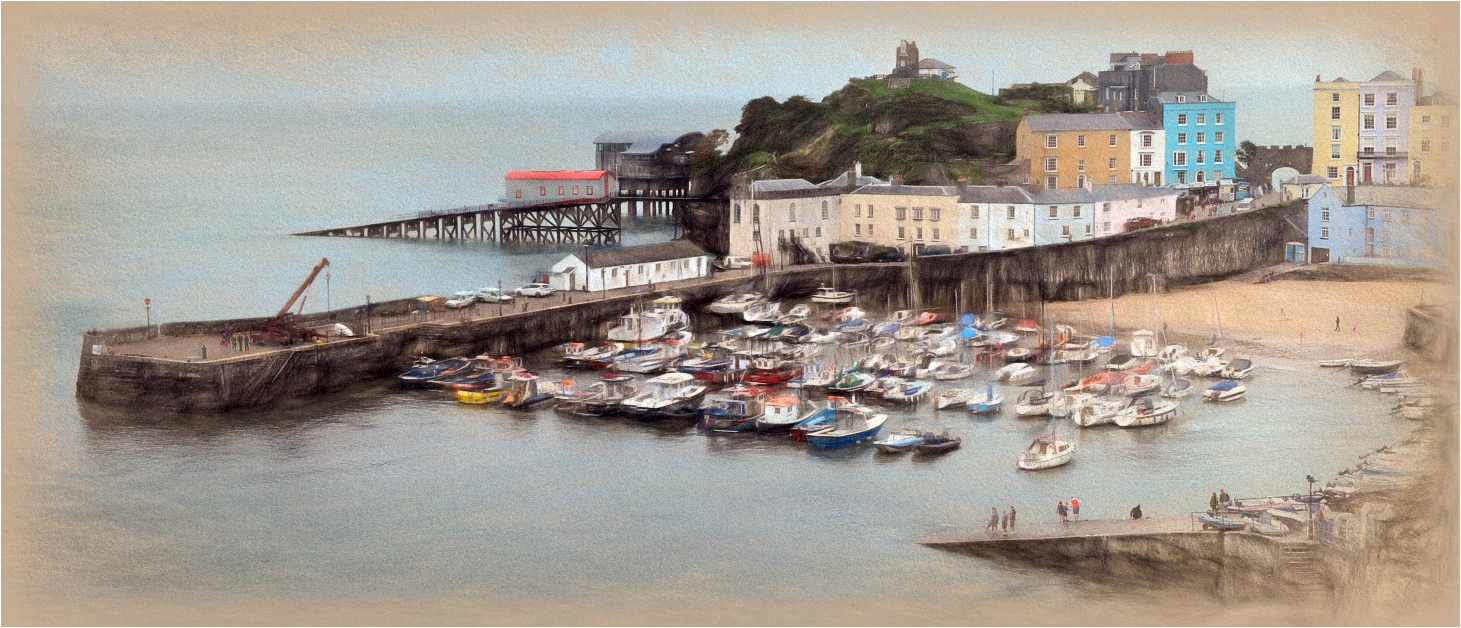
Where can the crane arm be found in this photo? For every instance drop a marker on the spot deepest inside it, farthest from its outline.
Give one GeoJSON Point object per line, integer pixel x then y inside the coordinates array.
{"type": "Point", "coordinates": [302, 287]}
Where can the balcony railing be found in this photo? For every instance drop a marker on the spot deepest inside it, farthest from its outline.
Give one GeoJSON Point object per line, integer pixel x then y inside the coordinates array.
{"type": "Point", "coordinates": [1382, 155]}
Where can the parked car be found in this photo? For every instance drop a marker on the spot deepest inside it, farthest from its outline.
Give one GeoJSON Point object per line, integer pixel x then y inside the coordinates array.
{"type": "Point", "coordinates": [459, 304]}
{"type": "Point", "coordinates": [1141, 223]}
{"type": "Point", "coordinates": [731, 262]}
{"type": "Point", "coordinates": [493, 295]}
{"type": "Point", "coordinates": [535, 290]}
{"type": "Point", "coordinates": [937, 249]}
{"type": "Point", "coordinates": [856, 252]}
{"type": "Point", "coordinates": [1243, 205]}
{"type": "Point", "coordinates": [468, 296]}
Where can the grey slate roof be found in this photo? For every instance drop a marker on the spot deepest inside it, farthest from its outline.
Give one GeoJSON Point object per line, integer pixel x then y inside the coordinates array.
{"type": "Point", "coordinates": [636, 137]}
{"type": "Point", "coordinates": [1071, 195]}
{"type": "Point", "coordinates": [780, 185]}
{"type": "Point", "coordinates": [1394, 196]}
{"type": "Point", "coordinates": [930, 63]}
{"type": "Point", "coordinates": [1389, 77]}
{"type": "Point", "coordinates": [1307, 179]}
{"type": "Point", "coordinates": [841, 180]}
{"type": "Point", "coordinates": [910, 190]}
{"type": "Point", "coordinates": [1180, 77]}
{"type": "Point", "coordinates": [1006, 194]}
{"type": "Point", "coordinates": [674, 249]}
{"type": "Point", "coordinates": [1124, 121]}
{"type": "Point", "coordinates": [1191, 97]}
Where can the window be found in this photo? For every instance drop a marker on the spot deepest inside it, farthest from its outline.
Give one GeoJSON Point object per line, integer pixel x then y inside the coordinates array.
{"type": "Point", "coordinates": [1080, 141]}
{"type": "Point", "coordinates": [1367, 145]}
{"type": "Point", "coordinates": [1334, 97]}
{"type": "Point", "coordinates": [1054, 212]}
{"type": "Point", "coordinates": [824, 210]}
{"type": "Point", "coordinates": [1080, 180]}
{"type": "Point", "coordinates": [1202, 98]}
{"type": "Point", "coordinates": [1425, 122]}
{"type": "Point", "coordinates": [1112, 141]}
{"type": "Point", "coordinates": [1052, 164]}
{"type": "Point", "coordinates": [1181, 138]}
{"type": "Point", "coordinates": [900, 213]}
{"type": "Point", "coordinates": [1088, 230]}
{"type": "Point", "coordinates": [1390, 145]}
{"type": "Point", "coordinates": [1217, 137]}
{"type": "Point", "coordinates": [1391, 122]}
{"type": "Point", "coordinates": [1181, 98]}
{"type": "Point", "coordinates": [856, 229]}
{"type": "Point", "coordinates": [1080, 165]}
{"type": "Point", "coordinates": [1050, 140]}
{"type": "Point", "coordinates": [1181, 176]}
{"type": "Point", "coordinates": [756, 213]}
{"type": "Point", "coordinates": [1050, 183]}
{"type": "Point", "coordinates": [901, 234]}
{"type": "Point", "coordinates": [1334, 151]}
{"type": "Point", "coordinates": [1387, 214]}
{"type": "Point", "coordinates": [1445, 122]}
{"type": "Point", "coordinates": [589, 191]}
{"type": "Point", "coordinates": [869, 211]}
{"type": "Point", "coordinates": [1334, 113]}
{"type": "Point", "coordinates": [791, 212]}
{"type": "Point", "coordinates": [819, 232]}
{"type": "Point", "coordinates": [1199, 156]}
{"type": "Point", "coordinates": [1181, 119]}
{"type": "Point", "coordinates": [1404, 216]}
{"type": "Point", "coordinates": [1146, 160]}
{"type": "Point", "coordinates": [1217, 156]}
{"type": "Point", "coordinates": [918, 213]}
{"type": "Point", "coordinates": [1011, 210]}
{"type": "Point", "coordinates": [1324, 233]}
{"type": "Point", "coordinates": [1370, 213]}
{"type": "Point", "coordinates": [1111, 165]}
{"type": "Point", "coordinates": [1202, 118]}
{"type": "Point", "coordinates": [974, 212]}
{"type": "Point", "coordinates": [1323, 215]}
{"type": "Point", "coordinates": [857, 211]}
{"type": "Point", "coordinates": [1010, 235]}
{"type": "Point", "coordinates": [1369, 121]}
{"type": "Point", "coordinates": [1111, 179]}
{"type": "Point", "coordinates": [1179, 158]}
{"type": "Point", "coordinates": [1392, 99]}
{"type": "Point", "coordinates": [519, 193]}
{"type": "Point", "coordinates": [1065, 231]}
{"type": "Point", "coordinates": [806, 232]}
{"type": "Point", "coordinates": [935, 233]}
{"type": "Point", "coordinates": [614, 273]}
{"type": "Point", "coordinates": [1201, 138]}
{"type": "Point", "coordinates": [973, 233]}
{"type": "Point", "coordinates": [1425, 144]}
{"type": "Point", "coordinates": [1105, 208]}
{"type": "Point", "coordinates": [1075, 212]}
{"type": "Point", "coordinates": [560, 190]}
{"type": "Point", "coordinates": [1390, 172]}
{"type": "Point", "coordinates": [933, 213]}
{"type": "Point", "coordinates": [1369, 100]}
{"type": "Point", "coordinates": [575, 190]}
{"type": "Point", "coordinates": [1334, 133]}
{"type": "Point", "coordinates": [1027, 233]}
{"type": "Point", "coordinates": [736, 213]}
{"type": "Point", "coordinates": [1146, 140]}
{"type": "Point", "coordinates": [869, 229]}
{"type": "Point", "coordinates": [542, 190]}
{"type": "Point", "coordinates": [1106, 226]}
{"type": "Point", "coordinates": [1332, 172]}
{"type": "Point", "coordinates": [1217, 119]}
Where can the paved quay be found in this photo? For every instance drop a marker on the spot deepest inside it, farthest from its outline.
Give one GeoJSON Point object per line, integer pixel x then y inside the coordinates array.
{"type": "Point", "coordinates": [975, 534]}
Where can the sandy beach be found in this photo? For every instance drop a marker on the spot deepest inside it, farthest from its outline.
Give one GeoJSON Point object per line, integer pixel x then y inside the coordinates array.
{"type": "Point", "coordinates": [1290, 318]}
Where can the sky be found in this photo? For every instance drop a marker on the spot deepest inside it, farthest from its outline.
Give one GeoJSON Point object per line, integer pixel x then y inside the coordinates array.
{"type": "Point", "coordinates": [1264, 56]}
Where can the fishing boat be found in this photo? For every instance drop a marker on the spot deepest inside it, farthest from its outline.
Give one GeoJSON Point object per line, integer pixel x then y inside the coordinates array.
{"type": "Point", "coordinates": [1033, 403]}
{"type": "Point", "coordinates": [1099, 412]}
{"type": "Point", "coordinates": [796, 314]}
{"type": "Point", "coordinates": [985, 403]}
{"type": "Point", "coordinates": [734, 411]}
{"type": "Point", "coordinates": [831, 295]}
{"type": "Point", "coordinates": [851, 382]}
{"type": "Point", "coordinates": [817, 418]}
{"type": "Point", "coordinates": [735, 303]}
{"type": "Point", "coordinates": [480, 397]}
{"type": "Point", "coordinates": [527, 391]}
{"type": "Point", "coordinates": [577, 355]}
{"type": "Point", "coordinates": [1226, 390]}
{"type": "Point", "coordinates": [770, 370]}
{"type": "Point", "coordinates": [940, 442]}
{"type": "Point", "coordinates": [816, 375]}
{"type": "Point", "coordinates": [1178, 389]}
{"type": "Point", "coordinates": [1374, 367]}
{"type": "Point", "coordinates": [779, 415]}
{"type": "Point", "coordinates": [1046, 452]}
{"type": "Point", "coordinates": [671, 394]}
{"type": "Point", "coordinates": [1144, 412]}
{"type": "Point", "coordinates": [1237, 369]}
{"type": "Point", "coordinates": [639, 325]}
{"type": "Point", "coordinates": [1143, 344]}
{"type": "Point", "coordinates": [950, 371]}
{"type": "Point", "coordinates": [908, 392]}
{"type": "Point", "coordinates": [952, 397]}
{"type": "Point", "coordinates": [605, 396]}
{"type": "Point", "coordinates": [850, 425]}
{"type": "Point", "coordinates": [426, 369]}
{"type": "Point", "coordinates": [899, 441]}
{"type": "Point", "coordinates": [570, 397]}
{"type": "Point", "coordinates": [762, 312]}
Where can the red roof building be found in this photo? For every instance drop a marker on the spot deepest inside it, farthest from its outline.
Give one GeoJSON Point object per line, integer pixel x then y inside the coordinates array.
{"type": "Point", "coordinates": [559, 186]}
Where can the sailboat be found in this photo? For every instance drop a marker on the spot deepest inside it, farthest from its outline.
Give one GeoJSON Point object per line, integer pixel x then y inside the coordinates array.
{"type": "Point", "coordinates": [1047, 451]}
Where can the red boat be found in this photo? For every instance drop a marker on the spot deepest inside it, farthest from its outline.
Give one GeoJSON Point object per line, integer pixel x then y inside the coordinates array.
{"type": "Point", "coordinates": [772, 371]}
{"type": "Point", "coordinates": [1028, 326]}
{"type": "Point", "coordinates": [925, 318]}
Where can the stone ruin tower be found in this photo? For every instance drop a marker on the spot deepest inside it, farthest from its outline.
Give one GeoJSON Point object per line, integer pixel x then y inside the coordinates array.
{"type": "Point", "coordinates": [906, 63]}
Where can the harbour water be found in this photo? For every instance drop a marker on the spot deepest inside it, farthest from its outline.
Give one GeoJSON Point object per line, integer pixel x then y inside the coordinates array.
{"type": "Point", "coordinates": [379, 505]}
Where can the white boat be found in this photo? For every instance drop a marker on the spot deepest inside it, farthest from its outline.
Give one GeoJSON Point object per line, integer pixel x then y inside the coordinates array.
{"type": "Point", "coordinates": [1122, 362]}
{"type": "Point", "coordinates": [1178, 389]}
{"type": "Point", "coordinates": [733, 303]}
{"type": "Point", "coordinates": [881, 344]}
{"type": "Point", "coordinates": [1171, 352]}
{"type": "Point", "coordinates": [781, 413]}
{"type": "Point", "coordinates": [1336, 362]}
{"type": "Point", "coordinates": [762, 312]}
{"type": "Point", "coordinates": [1143, 344]}
{"type": "Point", "coordinates": [1211, 352]}
{"type": "Point", "coordinates": [952, 397]}
{"type": "Point", "coordinates": [1138, 385]}
{"type": "Point", "coordinates": [1016, 372]}
{"type": "Point", "coordinates": [1033, 403]}
{"type": "Point", "coordinates": [1068, 405]}
{"type": "Point", "coordinates": [1226, 390]}
{"type": "Point", "coordinates": [846, 315]}
{"type": "Point", "coordinates": [823, 336]}
{"type": "Point", "coordinates": [950, 371]}
{"type": "Point", "coordinates": [1144, 412]}
{"type": "Point", "coordinates": [986, 402]}
{"type": "Point", "coordinates": [1103, 410]}
{"type": "Point", "coordinates": [642, 325]}
{"type": "Point", "coordinates": [1183, 366]}
{"type": "Point", "coordinates": [902, 317]}
{"type": "Point", "coordinates": [1237, 369]}
{"type": "Point", "coordinates": [1046, 452]}
{"type": "Point", "coordinates": [1210, 367]}
{"type": "Point", "coordinates": [945, 347]}
{"type": "Point", "coordinates": [1374, 367]}
{"type": "Point", "coordinates": [796, 314]}
{"type": "Point", "coordinates": [831, 295]}
{"type": "Point", "coordinates": [671, 393]}
{"type": "Point", "coordinates": [660, 358]}
{"type": "Point", "coordinates": [907, 332]}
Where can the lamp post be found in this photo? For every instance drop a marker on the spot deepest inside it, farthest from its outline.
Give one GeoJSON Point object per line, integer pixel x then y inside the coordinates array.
{"type": "Point", "coordinates": [1311, 480]}
{"type": "Point", "coordinates": [327, 292]}
{"type": "Point", "coordinates": [147, 303]}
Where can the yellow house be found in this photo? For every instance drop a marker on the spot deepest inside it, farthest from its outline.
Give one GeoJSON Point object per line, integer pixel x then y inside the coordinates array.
{"type": "Point", "coordinates": [909, 217]}
{"type": "Point", "coordinates": [1433, 140]}
{"type": "Point", "coordinates": [1336, 131]}
{"type": "Point", "coordinates": [1072, 150]}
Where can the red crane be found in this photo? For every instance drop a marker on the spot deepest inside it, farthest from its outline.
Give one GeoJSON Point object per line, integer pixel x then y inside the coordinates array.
{"type": "Point", "coordinates": [282, 328]}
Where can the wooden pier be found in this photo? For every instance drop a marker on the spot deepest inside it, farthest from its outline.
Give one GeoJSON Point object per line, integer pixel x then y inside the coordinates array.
{"type": "Point", "coordinates": [580, 222]}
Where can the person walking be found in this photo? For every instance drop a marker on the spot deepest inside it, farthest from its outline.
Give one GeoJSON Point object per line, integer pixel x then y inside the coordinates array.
{"type": "Point", "coordinates": [993, 519]}
{"type": "Point", "coordinates": [1336, 323]}
{"type": "Point", "coordinates": [1212, 504]}
{"type": "Point", "coordinates": [1075, 508]}
{"type": "Point", "coordinates": [1012, 517]}
{"type": "Point", "coordinates": [1004, 523]}
{"type": "Point", "coordinates": [1060, 510]}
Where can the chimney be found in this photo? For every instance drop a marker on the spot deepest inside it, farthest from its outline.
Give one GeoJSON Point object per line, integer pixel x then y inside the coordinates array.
{"type": "Point", "coordinates": [857, 165]}
{"type": "Point", "coordinates": [1316, 78]}
{"type": "Point", "coordinates": [897, 179]}
{"type": "Point", "coordinates": [1349, 195]}
{"type": "Point", "coordinates": [1418, 76]}
{"type": "Point", "coordinates": [1027, 111]}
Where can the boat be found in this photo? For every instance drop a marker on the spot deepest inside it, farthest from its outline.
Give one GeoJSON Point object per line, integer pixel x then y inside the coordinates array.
{"type": "Point", "coordinates": [925, 318]}
{"type": "Point", "coordinates": [1212, 521]}
{"type": "Point", "coordinates": [794, 333]}
{"type": "Point", "coordinates": [856, 325]}
{"type": "Point", "coordinates": [887, 328]}
{"type": "Point", "coordinates": [831, 295]}
{"type": "Point", "coordinates": [770, 370]}
{"type": "Point", "coordinates": [735, 303]}
{"type": "Point", "coordinates": [1374, 367]}
{"type": "Point", "coordinates": [952, 397]}
{"type": "Point", "coordinates": [940, 442]}
{"type": "Point", "coordinates": [477, 374]}
{"type": "Point", "coordinates": [426, 369]}
{"type": "Point", "coordinates": [899, 441]}
{"type": "Point", "coordinates": [604, 397]}
{"type": "Point", "coordinates": [1018, 354]}
{"type": "Point", "coordinates": [1237, 369]}
{"type": "Point", "coordinates": [527, 391]}
{"type": "Point", "coordinates": [991, 321]}
{"type": "Point", "coordinates": [1182, 366]}
{"type": "Point", "coordinates": [1144, 412]}
{"type": "Point", "coordinates": [1226, 390]}
{"type": "Point", "coordinates": [1046, 452]}
{"type": "Point", "coordinates": [818, 418]}
{"type": "Point", "coordinates": [1336, 362]}
{"type": "Point", "coordinates": [796, 314]}
{"type": "Point", "coordinates": [1015, 371]}
{"type": "Point", "coordinates": [880, 345]}
{"type": "Point", "coordinates": [850, 425]}
{"type": "Point", "coordinates": [1211, 352]}
{"type": "Point", "coordinates": [1033, 403]}
{"type": "Point", "coordinates": [1211, 367]}
{"type": "Point", "coordinates": [1171, 352]}
{"type": "Point", "coordinates": [985, 403]}
{"type": "Point", "coordinates": [950, 371]}
{"type": "Point", "coordinates": [1066, 405]}
{"type": "Point", "coordinates": [1099, 412]}
{"type": "Point", "coordinates": [779, 415]}
{"type": "Point", "coordinates": [908, 392]}
{"type": "Point", "coordinates": [671, 394]}
{"type": "Point", "coordinates": [577, 355]}
{"type": "Point", "coordinates": [1143, 344]}
{"type": "Point", "coordinates": [1178, 389]}
{"type": "Point", "coordinates": [1121, 362]}
{"type": "Point", "coordinates": [762, 312]}
{"type": "Point", "coordinates": [882, 385]}
{"type": "Point", "coordinates": [659, 358]}
{"type": "Point", "coordinates": [815, 374]}
{"type": "Point", "coordinates": [851, 382]}
{"type": "Point", "coordinates": [1027, 326]}
{"type": "Point", "coordinates": [608, 362]}
{"type": "Point", "coordinates": [479, 397]}
{"type": "Point", "coordinates": [1138, 385]}
{"type": "Point", "coordinates": [906, 332]}
{"type": "Point", "coordinates": [1374, 382]}
{"type": "Point", "coordinates": [1267, 525]}
{"type": "Point", "coordinates": [1099, 382]}
{"type": "Point", "coordinates": [639, 325]}
{"type": "Point", "coordinates": [902, 317]}
{"type": "Point", "coordinates": [822, 336]}
{"type": "Point", "coordinates": [570, 397]}
{"type": "Point", "coordinates": [734, 411]}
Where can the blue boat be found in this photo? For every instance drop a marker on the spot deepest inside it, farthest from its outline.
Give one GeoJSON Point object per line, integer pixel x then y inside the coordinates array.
{"type": "Point", "coordinates": [427, 370]}
{"type": "Point", "coordinates": [850, 425]}
{"type": "Point", "coordinates": [886, 328]}
{"type": "Point", "coordinates": [854, 326]}
{"type": "Point", "coordinates": [736, 411]}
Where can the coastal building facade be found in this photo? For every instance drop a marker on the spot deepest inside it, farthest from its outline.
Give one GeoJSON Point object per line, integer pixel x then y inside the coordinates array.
{"type": "Point", "coordinates": [790, 220]}
{"type": "Point", "coordinates": [630, 266]}
{"type": "Point", "coordinates": [1362, 129]}
{"type": "Point", "coordinates": [1005, 217]}
{"type": "Point", "coordinates": [647, 163]}
{"type": "Point", "coordinates": [910, 218]}
{"type": "Point", "coordinates": [1072, 150]}
{"type": "Point", "coordinates": [1135, 80]}
{"type": "Point", "coordinates": [559, 186]}
{"type": "Point", "coordinates": [1375, 225]}
{"type": "Point", "coordinates": [1433, 146]}
{"type": "Point", "coordinates": [1201, 138]}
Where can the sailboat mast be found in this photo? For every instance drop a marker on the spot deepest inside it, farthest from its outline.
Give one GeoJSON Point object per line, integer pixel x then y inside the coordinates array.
{"type": "Point", "coordinates": [1111, 295]}
{"type": "Point", "coordinates": [1219, 312]}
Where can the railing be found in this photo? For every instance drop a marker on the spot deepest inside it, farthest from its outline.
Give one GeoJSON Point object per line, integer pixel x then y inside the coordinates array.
{"type": "Point", "coordinates": [437, 213]}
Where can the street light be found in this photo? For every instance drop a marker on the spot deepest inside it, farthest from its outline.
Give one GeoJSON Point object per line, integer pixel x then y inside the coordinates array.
{"type": "Point", "coordinates": [147, 303]}
{"type": "Point", "coordinates": [1311, 480]}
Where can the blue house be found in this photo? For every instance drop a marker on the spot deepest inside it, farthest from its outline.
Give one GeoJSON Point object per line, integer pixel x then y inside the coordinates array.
{"type": "Point", "coordinates": [1201, 140]}
{"type": "Point", "coordinates": [1375, 225]}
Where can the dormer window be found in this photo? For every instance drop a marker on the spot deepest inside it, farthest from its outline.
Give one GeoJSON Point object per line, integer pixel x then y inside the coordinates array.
{"type": "Point", "coordinates": [1181, 99]}
{"type": "Point", "coordinates": [1202, 98]}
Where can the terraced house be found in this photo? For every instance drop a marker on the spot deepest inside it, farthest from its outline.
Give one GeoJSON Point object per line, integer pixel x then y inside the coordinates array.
{"type": "Point", "coordinates": [1362, 129]}
{"type": "Point", "coordinates": [1073, 150]}
{"type": "Point", "coordinates": [1006, 217]}
{"type": "Point", "coordinates": [908, 217]}
{"type": "Point", "coordinates": [791, 220]}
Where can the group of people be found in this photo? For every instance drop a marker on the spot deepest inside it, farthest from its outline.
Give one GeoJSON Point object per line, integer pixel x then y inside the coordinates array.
{"type": "Point", "coordinates": [1074, 509]}
{"type": "Point", "coordinates": [1001, 522]}
{"type": "Point", "coordinates": [239, 342]}
{"type": "Point", "coordinates": [1219, 502]}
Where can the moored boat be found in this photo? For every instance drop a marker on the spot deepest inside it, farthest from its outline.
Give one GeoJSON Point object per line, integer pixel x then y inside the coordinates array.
{"type": "Point", "coordinates": [604, 397]}
{"type": "Point", "coordinates": [952, 397]}
{"type": "Point", "coordinates": [851, 424]}
{"type": "Point", "coordinates": [1101, 411]}
{"type": "Point", "coordinates": [1046, 452]}
{"type": "Point", "coordinates": [527, 391]}
{"type": "Point", "coordinates": [908, 392]}
{"type": "Point", "coordinates": [950, 371]}
{"type": "Point", "coordinates": [1226, 390]}
{"type": "Point", "coordinates": [899, 441]}
{"type": "Point", "coordinates": [671, 394]}
{"type": "Point", "coordinates": [1143, 343]}
{"type": "Point", "coordinates": [1239, 368]}
{"type": "Point", "coordinates": [986, 403]}
{"type": "Point", "coordinates": [1033, 403]}
{"type": "Point", "coordinates": [1178, 389]}
{"type": "Point", "coordinates": [735, 303]}
{"type": "Point", "coordinates": [1144, 412]}
{"type": "Point", "coordinates": [779, 415]}
{"type": "Point", "coordinates": [734, 411]}
{"type": "Point", "coordinates": [940, 442]}
{"type": "Point", "coordinates": [770, 370]}
{"type": "Point", "coordinates": [425, 370]}
{"type": "Point", "coordinates": [1374, 367]}
{"type": "Point", "coordinates": [831, 295]}
{"type": "Point", "coordinates": [762, 312]}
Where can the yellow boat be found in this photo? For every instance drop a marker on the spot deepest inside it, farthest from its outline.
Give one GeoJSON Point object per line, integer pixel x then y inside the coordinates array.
{"type": "Point", "coordinates": [480, 396]}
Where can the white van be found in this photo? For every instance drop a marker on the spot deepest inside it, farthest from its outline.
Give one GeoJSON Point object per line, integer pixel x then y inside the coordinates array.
{"type": "Point", "coordinates": [1243, 205]}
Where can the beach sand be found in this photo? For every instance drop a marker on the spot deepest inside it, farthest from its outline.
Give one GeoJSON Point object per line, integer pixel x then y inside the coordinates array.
{"type": "Point", "coordinates": [1289, 318]}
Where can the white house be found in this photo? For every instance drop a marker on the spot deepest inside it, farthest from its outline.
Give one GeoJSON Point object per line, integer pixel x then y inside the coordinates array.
{"type": "Point", "coordinates": [1007, 217]}
{"type": "Point", "coordinates": [601, 269]}
{"type": "Point", "coordinates": [1148, 159]}
{"type": "Point", "coordinates": [791, 217]}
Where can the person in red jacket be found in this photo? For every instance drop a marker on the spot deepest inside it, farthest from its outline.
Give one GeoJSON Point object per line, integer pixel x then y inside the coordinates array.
{"type": "Point", "coordinates": [1075, 508]}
